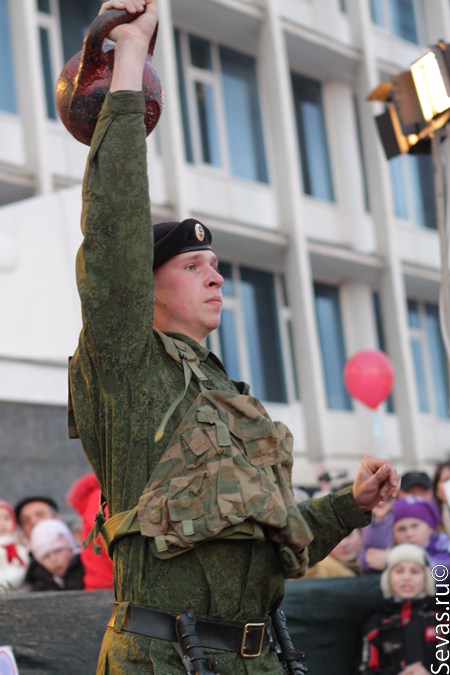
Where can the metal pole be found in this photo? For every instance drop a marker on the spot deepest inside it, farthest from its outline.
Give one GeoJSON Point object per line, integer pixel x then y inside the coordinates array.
{"type": "Point", "coordinates": [440, 198]}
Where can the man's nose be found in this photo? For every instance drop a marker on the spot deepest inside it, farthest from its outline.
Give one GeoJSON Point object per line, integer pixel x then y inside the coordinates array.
{"type": "Point", "coordinates": [216, 279]}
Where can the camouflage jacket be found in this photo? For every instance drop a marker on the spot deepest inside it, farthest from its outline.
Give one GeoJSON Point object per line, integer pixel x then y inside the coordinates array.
{"type": "Point", "coordinates": [122, 383]}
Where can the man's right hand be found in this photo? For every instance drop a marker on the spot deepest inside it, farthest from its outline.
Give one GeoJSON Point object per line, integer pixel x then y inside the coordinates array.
{"type": "Point", "coordinates": [143, 25]}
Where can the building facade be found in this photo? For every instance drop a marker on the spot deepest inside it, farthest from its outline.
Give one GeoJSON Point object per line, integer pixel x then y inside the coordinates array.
{"type": "Point", "coordinates": [267, 136]}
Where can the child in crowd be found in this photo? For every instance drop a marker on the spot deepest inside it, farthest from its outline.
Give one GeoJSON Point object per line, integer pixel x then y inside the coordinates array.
{"type": "Point", "coordinates": [59, 566]}
{"type": "Point", "coordinates": [343, 561]}
{"type": "Point", "coordinates": [13, 556]}
{"type": "Point", "coordinates": [414, 522]}
{"type": "Point", "coordinates": [400, 638]}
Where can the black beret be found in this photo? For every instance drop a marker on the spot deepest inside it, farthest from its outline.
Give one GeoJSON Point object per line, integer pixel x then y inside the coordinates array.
{"type": "Point", "coordinates": [173, 238]}
{"type": "Point", "coordinates": [35, 498]}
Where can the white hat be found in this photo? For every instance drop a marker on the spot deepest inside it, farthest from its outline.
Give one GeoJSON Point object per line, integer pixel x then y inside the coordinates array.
{"type": "Point", "coordinates": [406, 553]}
{"type": "Point", "coordinates": [49, 535]}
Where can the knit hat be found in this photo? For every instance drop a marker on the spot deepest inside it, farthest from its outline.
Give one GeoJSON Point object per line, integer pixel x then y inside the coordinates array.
{"type": "Point", "coordinates": [49, 535]}
{"type": "Point", "coordinates": [173, 238]}
{"type": "Point", "coordinates": [406, 553]}
{"type": "Point", "coordinates": [417, 507]}
{"type": "Point", "coordinates": [9, 508]}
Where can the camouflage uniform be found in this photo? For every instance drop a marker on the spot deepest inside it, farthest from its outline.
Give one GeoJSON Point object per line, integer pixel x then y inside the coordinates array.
{"type": "Point", "coordinates": [123, 382]}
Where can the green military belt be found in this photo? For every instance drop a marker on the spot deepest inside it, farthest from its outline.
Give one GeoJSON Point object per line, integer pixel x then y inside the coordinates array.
{"type": "Point", "coordinates": [248, 639]}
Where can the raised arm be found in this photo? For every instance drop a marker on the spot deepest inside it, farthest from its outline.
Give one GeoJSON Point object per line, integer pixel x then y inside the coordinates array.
{"type": "Point", "coordinates": [114, 263]}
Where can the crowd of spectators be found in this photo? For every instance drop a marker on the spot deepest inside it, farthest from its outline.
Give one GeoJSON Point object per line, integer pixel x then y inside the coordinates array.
{"type": "Point", "coordinates": [40, 552]}
{"type": "Point", "coordinates": [408, 536]}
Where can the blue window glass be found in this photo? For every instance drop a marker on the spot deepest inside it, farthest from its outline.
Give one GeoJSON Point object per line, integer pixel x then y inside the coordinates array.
{"type": "Point", "coordinates": [47, 69]}
{"type": "Point", "coordinates": [228, 344]}
{"type": "Point", "coordinates": [263, 336]}
{"type": "Point", "coordinates": [404, 20]}
{"type": "Point", "coordinates": [419, 368]}
{"type": "Point", "coordinates": [228, 283]}
{"type": "Point", "coordinates": [312, 136]}
{"type": "Point", "coordinates": [183, 101]}
{"type": "Point", "coordinates": [75, 17]}
{"type": "Point", "coordinates": [418, 357]}
{"type": "Point", "coordinates": [398, 188]}
{"type": "Point", "coordinates": [438, 361]}
{"type": "Point", "coordinates": [376, 11]}
{"type": "Point", "coordinates": [421, 172]}
{"type": "Point", "coordinates": [200, 51]}
{"type": "Point", "coordinates": [413, 314]}
{"type": "Point", "coordinates": [242, 114]}
{"type": "Point", "coordinates": [204, 97]}
{"type": "Point", "coordinates": [44, 6]}
{"type": "Point", "coordinates": [381, 339]}
{"type": "Point", "coordinates": [331, 338]}
{"type": "Point", "coordinates": [8, 101]}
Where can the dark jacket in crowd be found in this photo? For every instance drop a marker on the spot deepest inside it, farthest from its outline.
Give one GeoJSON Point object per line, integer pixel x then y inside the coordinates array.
{"type": "Point", "coordinates": [40, 580]}
{"type": "Point", "coordinates": [399, 634]}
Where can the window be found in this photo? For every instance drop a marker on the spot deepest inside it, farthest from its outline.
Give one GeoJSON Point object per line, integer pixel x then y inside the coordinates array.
{"type": "Point", "coordinates": [8, 101]}
{"type": "Point", "coordinates": [68, 19]}
{"type": "Point", "coordinates": [312, 138]}
{"type": "Point", "coordinates": [429, 358]}
{"type": "Point", "coordinates": [254, 338]}
{"type": "Point", "coordinates": [329, 324]}
{"type": "Point", "coordinates": [413, 189]}
{"type": "Point", "coordinates": [400, 17]}
{"type": "Point", "coordinates": [221, 111]}
{"type": "Point", "coordinates": [381, 339]}
{"type": "Point", "coordinates": [75, 18]}
{"type": "Point", "coordinates": [47, 34]}
{"type": "Point", "coordinates": [44, 38]}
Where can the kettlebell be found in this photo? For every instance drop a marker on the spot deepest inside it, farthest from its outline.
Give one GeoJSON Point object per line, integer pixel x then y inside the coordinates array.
{"type": "Point", "coordinates": [86, 78]}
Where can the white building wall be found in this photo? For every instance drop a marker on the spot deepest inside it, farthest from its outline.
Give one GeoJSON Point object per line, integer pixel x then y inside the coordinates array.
{"type": "Point", "coordinates": [275, 225]}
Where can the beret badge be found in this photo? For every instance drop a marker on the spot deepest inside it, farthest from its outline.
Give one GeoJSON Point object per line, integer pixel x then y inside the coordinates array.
{"type": "Point", "coordinates": [199, 232]}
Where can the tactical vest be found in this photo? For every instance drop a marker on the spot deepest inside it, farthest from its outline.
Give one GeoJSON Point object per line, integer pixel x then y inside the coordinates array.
{"type": "Point", "coordinates": [226, 473]}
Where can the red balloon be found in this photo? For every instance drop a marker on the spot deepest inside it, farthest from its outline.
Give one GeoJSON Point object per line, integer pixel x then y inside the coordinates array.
{"type": "Point", "coordinates": [369, 376]}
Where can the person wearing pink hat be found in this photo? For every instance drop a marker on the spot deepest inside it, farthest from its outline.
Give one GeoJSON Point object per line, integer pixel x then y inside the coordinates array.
{"type": "Point", "coordinates": [13, 556]}
{"type": "Point", "coordinates": [414, 522]}
{"type": "Point", "coordinates": [59, 566]}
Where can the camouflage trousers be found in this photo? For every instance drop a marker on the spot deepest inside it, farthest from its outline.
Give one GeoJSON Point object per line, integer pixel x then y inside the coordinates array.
{"type": "Point", "coordinates": [132, 654]}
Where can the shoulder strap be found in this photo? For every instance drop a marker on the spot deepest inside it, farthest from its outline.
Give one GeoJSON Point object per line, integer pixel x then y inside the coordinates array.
{"type": "Point", "coordinates": [180, 352]}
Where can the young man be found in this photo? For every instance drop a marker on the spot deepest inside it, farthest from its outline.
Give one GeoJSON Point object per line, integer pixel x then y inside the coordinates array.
{"type": "Point", "coordinates": [165, 428]}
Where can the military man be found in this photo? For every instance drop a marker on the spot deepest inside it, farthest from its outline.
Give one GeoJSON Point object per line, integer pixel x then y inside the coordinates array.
{"type": "Point", "coordinates": [194, 472]}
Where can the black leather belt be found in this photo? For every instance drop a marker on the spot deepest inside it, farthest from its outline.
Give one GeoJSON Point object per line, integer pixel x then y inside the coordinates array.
{"type": "Point", "coordinates": [248, 639]}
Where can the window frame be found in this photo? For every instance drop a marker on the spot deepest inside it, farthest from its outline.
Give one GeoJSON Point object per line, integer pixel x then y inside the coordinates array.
{"type": "Point", "coordinates": [187, 79]}
{"type": "Point", "coordinates": [283, 313]}
{"type": "Point", "coordinates": [418, 335]}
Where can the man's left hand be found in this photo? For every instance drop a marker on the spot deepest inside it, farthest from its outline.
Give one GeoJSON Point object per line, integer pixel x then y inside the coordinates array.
{"type": "Point", "coordinates": [375, 481]}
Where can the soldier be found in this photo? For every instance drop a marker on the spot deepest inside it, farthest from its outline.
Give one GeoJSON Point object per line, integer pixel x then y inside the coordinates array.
{"type": "Point", "coordinates": [195, 474]}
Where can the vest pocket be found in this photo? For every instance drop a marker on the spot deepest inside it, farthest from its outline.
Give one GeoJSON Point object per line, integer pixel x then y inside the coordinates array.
{"type": "Point", "coordinates": [196, 445]}
{"type": "Point", "coordinates": [184, 500]}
